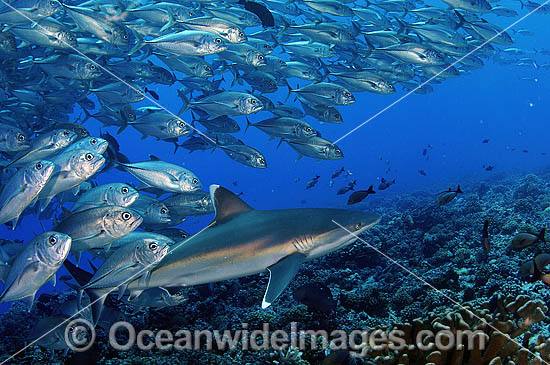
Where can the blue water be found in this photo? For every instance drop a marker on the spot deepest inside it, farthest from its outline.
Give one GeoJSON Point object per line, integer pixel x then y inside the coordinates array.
{"type": "Point", "coordinates": [489, 103]}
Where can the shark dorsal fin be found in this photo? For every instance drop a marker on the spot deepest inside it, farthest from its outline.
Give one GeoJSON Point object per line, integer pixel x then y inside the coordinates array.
{"type": "Point", "coordinates": [226, 204]}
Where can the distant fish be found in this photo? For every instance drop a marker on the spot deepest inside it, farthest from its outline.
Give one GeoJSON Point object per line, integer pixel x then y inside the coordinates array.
{"type": "Point", "coordinates": [488, 168]}
{"type": "Point", "coordinates": [316, 296]}
{"type": "Point", "coordinates": [345, 189]}
{"type": "Point", "coordinates": [485, 237]}
{"type": "Point", "coordinates": [526, 239]}
{"type": "Point", "coordinates": [337, 173]}
{"type": "Point", "coordinates": [485, 141]}
{"type": "Point", "coordinates": [384, 184]}
{"type": "Point", "coordinates": [359, 195]}
{"type": "Point", "coordinates": [422, 172]}
{"type": "Point", "coordinates": [338, 357]}
{"type": "Point", "coordinates": [446, 197]}
{"type": "Point", "coordinates": [311, 183]}
{"type": "Point", "coordinates": [533, 270]}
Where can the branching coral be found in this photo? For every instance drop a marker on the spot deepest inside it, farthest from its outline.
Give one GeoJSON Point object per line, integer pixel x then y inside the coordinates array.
{"type": "Point", "coordinates": [498, 334]}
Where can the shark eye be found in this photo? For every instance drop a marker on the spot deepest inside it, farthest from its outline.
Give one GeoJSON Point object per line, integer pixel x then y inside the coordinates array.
{"type": "Point", "coordinates": [52, 240]}
{"type": "Point", "coordinates": [163, 210]}
{"type": "Point", "coordinates": [38, 165]}
{"type": "Point", "coordinates": [126, 216]}
{"type": "Point", "coordinates": [20, 137]}
{"type": "Point", "coordinates": [124, 190]}
{"type": "Point", "coordinates": [153, 246]}
{"type": "Point", "coordinates": [357, 226]}
{"type": "Point", "coordinates": [89, 157]}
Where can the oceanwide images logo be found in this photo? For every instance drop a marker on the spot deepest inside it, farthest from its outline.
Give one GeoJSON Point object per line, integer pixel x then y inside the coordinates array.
{"type": "Point", "coordinates": [80, 336]}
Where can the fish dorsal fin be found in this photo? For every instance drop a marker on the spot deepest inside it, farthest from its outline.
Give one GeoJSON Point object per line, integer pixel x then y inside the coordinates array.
{"type": "Point", "coordinates": [226, 204]}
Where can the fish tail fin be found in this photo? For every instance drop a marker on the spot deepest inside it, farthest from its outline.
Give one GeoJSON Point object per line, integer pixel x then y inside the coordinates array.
{"type": "Point", "coordinates": [402, 25]}
{"type": "Point", "coordinates": [542, 234]}
{"type": "Point", "coordinates": [458, 189]}
{"type": "Point", "coordinates": [248, 124]}
{"type": "Point", "coordinates": [371, 189]}
{"type": "Point", "coordinates": [289, 90]}
{"type": "Point", "coordinates": [461, 19]}
{"type": "Point", "coordinates": [522, 4]}
{"type": "Point", "coordinates": [87, 115]}
{"type": "Point", "coordinates": [185, 101]}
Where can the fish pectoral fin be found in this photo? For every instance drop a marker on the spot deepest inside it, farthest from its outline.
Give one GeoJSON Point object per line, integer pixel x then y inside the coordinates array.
{"type": "Point", "coordinates": [4, 271]}
{"type": "Point", "coordinates": [280, 275]}
{"type": "Point", "coordinates": [88, 237]}
{"type": "Point", "coordinates": [122, 290]}
{"type": "Point", "coordinates": [29, 301]}
{"type": "Point", "coordinates": [134, 294]}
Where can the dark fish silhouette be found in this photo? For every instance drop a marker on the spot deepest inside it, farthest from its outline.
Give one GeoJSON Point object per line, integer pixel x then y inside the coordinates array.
{"type": "Point", "coordinates": [445, 197]}
{"type": "Point", "coordinates": [359, 195]}
{"type": "Point", "coordinates": [488, 168]}
{"type": "Point", "coordinates": [337, 173]}
{"type": "Point", "coordinates": [153, 94]}
{"type": "Point", "coordinates": [422, 172]}
{"type": "Point", "coordinates": [485, 141]}
{"type": "Point", "coordinates": [345, 189]}
{"type": "Point", "coordinates": [316, 296]}
{"type": "Point", "coordinates": [311, 183]}
{"type": "Point", "coordinates": [525, 239]}
{"type": "Point", "coordinates": [384, 184]}
{"type": "Point", "coordinates": [261, 11]}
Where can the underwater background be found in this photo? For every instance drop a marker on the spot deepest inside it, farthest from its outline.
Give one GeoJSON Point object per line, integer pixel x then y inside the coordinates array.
{"type": "Point", "coordinates": [441, 134]}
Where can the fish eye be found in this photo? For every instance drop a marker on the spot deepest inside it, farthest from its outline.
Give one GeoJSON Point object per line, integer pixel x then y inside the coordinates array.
{"type": "Point", "coordinates": [309, 129]}
{"type": "Point", "coordinates": [347, 94]}
{"type": "Point", "coordinates": [71, 38]}
{"type": "Point", "coordinates": [52, 240]}
{"type": "Point", "coordinates": [261, 58]}
{"type": "Point", "coordinates": [65, 132]}
{"type": "Point", "coordinates": [52, 3]}
{"type": "Point", "coordinates": [89, 157]}
{"type": "Point", "coordinates": [163, 210]}
{"type": "Point", "coordinates": [195, 181]}
{"type": "Point", "coordinates": [38, 165]}
{"type": "Point", "coordinates": [153, 246]}
{"type": "Point", "coordinates": [92, 67]}
{"type": "Point", "coordinates": [21, 137]}
{"type": "Point", "coordinates": [125, 36]}
{"type": "Point", "coordinates": [126, 216]}
{"type": "Point", "coordinates": [261, 160]}
{"type": "Point", "coordinates": [93, 141]}
{"type": "Point", "coordinates": [131, 115]}
{"type": "Point", "coordinates": [218, 40]}
{"type": "Point", "coordinates": [338, 150]}
{"type": "Point", "coordinates": [241, 34]}
{"type": "Point", "coordinates": [124, 190]}
{"type": "Point", "coordinates": [357, 226]}
{"type": "Point", "coordinates": [253, 101]}
{"type": "Point", "coordinates": [181, 124]}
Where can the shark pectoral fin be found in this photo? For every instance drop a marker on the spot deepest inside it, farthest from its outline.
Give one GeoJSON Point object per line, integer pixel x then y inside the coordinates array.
{"type": "Point", "coordinates": [226, 204]}
{"type": "Point", "coordinates": [280, 274]}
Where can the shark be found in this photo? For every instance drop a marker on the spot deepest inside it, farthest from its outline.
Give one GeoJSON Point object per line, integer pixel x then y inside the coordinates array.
{"type": "Point", "coordinates": [243, 241]}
